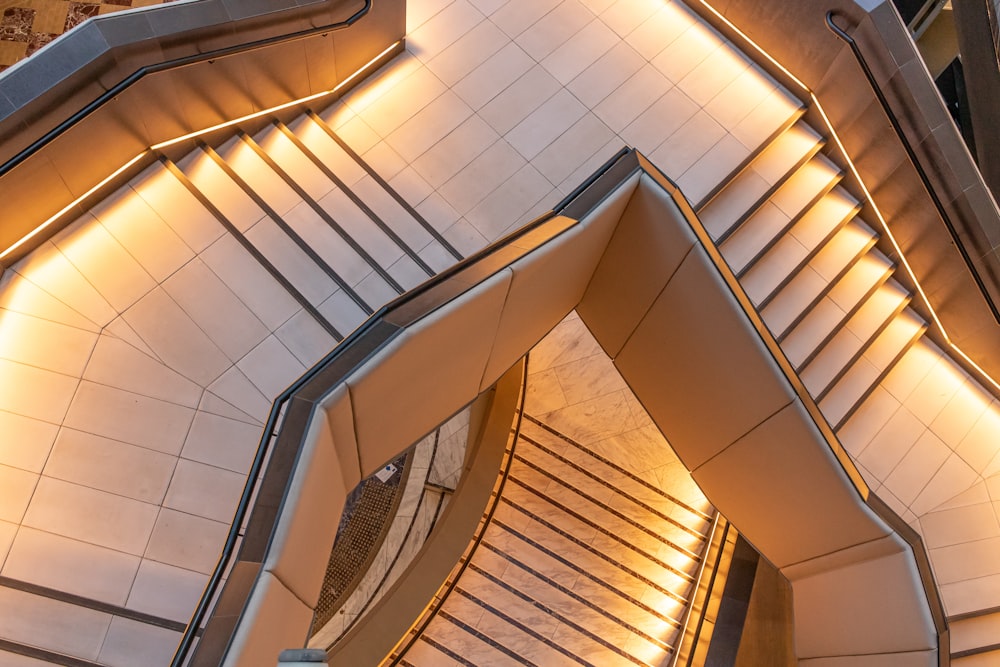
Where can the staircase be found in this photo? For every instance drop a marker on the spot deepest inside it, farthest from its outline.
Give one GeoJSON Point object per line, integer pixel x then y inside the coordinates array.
{"type": "Point", "coordinates": [320, 219]}
{"type": "Point", "coordinates": [974, 639]}
{"type": "Point", "coordinates": [238, 234]}
{"type": "Point", "coordinates": [583, 562]}
{"type": "Point", "coordinates": [810, 265]}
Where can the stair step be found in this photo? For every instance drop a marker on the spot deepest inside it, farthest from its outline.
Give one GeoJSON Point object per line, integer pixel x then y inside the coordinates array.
{"type": "Point", "coordinates": [987, 659]}
{"type": "Point", "coordinates": [846, 344]}
{"type": "Point", "coordinates": [595, 612]}
{"type": "Point", "coordinates": [858, 382]}
{"type": "Point", "coordinates": [476, 636]}
{"type": "Point", "coordinates": [644, 551]}
{"type": "Point", "coordinates": [696, 518]}
{"type": "Point", "coordinates": [224, 193]}
{"type": "Point", "coordinates": [974, 632]}
{"type": "Point", "coordinates": [584, 627]}
{"type": "Point", "coordinates": [844, 299]}
{"type": "Point", "coordinates": [815, 176]}
{"type": "Point", "coordinates": [793, 301]}
{"type": "Point", "coordinates": [749, 189]}
{"type": "Point", "coordinates": [323, 202]}
{"type": "Point", "coordinates": [794, 249]}
{"type": "Point", "coordinates": [388, 204]}
{"type": "Point", "coordinates": [294, 259]}
{"type": "Point", "coordinates": [598, 579]}
{"type": "Point", "coordinates": [612, 510]}
{"type": "Point", "coordinates": [430, 650]}
{"type": "Point", "coordinates": [307, 290]}
{"type": "Point", "coordinates": [361, 222]}
{"type": "Point", "coordinates": [352, 267]}
{"type": "Point", "coordinates": [827, 319]}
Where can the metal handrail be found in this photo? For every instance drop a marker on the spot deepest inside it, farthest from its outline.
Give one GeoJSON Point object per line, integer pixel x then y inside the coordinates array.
{"type": "Point", "coordinates": [894, 121]}
{"type": "Point", "coordinates": [695, 587]}
{"type": "Point", "coordinates": [174, 63]}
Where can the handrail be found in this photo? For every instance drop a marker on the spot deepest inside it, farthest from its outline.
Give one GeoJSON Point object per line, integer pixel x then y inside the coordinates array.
{"type": "Point", "coordinates": [894, 121]}
{"type": "Point", "coordinates": [175, 63]}
{"type": "Point", "coordinates": [696, 587]}
{"type": "Point", "coordinates": [377, 320]}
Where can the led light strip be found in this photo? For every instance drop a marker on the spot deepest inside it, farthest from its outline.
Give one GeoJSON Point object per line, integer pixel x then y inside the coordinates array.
{"type": "Point", "coordinates": [868, 196]}
{"type": "Point", "coordinates": [37, 230]}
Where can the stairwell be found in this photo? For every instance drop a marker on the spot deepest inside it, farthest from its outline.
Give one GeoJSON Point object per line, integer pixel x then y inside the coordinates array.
{"type": "Point", "coordinates": [327, 240]}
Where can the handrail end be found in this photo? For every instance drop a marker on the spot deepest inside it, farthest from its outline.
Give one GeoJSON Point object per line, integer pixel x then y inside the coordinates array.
{"type": "Point", "coordinates": [836, 29]}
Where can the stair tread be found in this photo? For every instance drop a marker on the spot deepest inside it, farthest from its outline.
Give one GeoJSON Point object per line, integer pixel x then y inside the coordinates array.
{"type": "Point", "coordinates": [292, 262]}
{"type": "Point", "coordinates": [337, 203]}
{"type": "Point", "coordinates": [328, 150]}
{"type": "Point", "coordinates": [799, 194]}
{"type": "Point", "coordinates": [827, 316]}
{"type": "Point", "coordinates": [571, 608]}
{"type": "Point", "coordinates": [849, 341]}
{"type": "Point", "coordinates": [817, 223]}
{"type": "Point", "coordinates": [328, 244]}
{"type": "Point", "coordinates": [809, 232]}
{"type": "Point", "coordinates": [806, 286]}
{"type": "Point", "coordinates": [802, 186]}
{"type": "Point", "coordinates": [754, 235]}
{"type": "Point", "coordinates": [865, 372]}
{"type": "Point", "coordinates": [588, 573]}
{"type": "Point", "coordinates": [258, 175]}
{"type": "Point", "coordinates": [401, 221]}
{"type": "Point", "coordinates": [895, 337]}
{"type": "Point", "coordinates": [831, 259]}
{"type": "Point", "coordinates": [604, 493]}
{"type": "Point", "coordinates": [974, 632]}
{"type": "Point", "coordinates": [858, 282]}
{"type": "Point", "coordinates": [361, 228]}
{"type": "Point", "coordinates": [723, 211]}
{"type": "Point", "coordinates": [342, 311]}
{"type": "Point", "coordinates": [224, 193]}
{"type": "Point", "coordinates": [990, 659]}
{"type": "Point", "coordinates": [294, 162]}
{"type": "Point", "coordinates": [689, 512]}
{"type": "Point", "coordinates": [786, 151]}
{"type": "Point", "coordinates": [768, 167]}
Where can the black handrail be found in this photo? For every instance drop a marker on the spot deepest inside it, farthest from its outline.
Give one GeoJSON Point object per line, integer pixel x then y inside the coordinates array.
{"type": "Point", "coordinates": [175, 63]}
{"type": "Point", "coordinates": [890, 114]}
{"type": "Point", "coordinates": [352, 339]}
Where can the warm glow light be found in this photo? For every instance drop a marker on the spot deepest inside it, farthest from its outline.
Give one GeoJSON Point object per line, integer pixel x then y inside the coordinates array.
{"type": "Point", "coordinates": [258, 114]}
{"type": "Point", "coordinates": [286, 105]}
{"type": "Point", "coordinates": [37, 230]}
{"type": "Point", "coordinates": [754, 45]}
{"type": "Point", "coordinates": [895, 244]}
{"type": "Point", "coordinates": [868, 197]}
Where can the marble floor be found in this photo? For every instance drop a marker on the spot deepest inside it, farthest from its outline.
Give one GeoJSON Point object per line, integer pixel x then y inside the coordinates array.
{"type": "Point", "coordinates": [28, 25]}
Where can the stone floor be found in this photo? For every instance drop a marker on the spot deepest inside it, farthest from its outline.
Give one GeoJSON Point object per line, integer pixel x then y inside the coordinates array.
{"type": "Point", "coordinates": [28, 25]}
